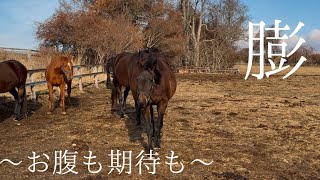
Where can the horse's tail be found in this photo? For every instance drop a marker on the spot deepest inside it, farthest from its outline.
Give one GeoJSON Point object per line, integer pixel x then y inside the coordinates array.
{"type": "Point", "coordinates": [109, 70]}
{"type": "Point", "coordinates": [114, 94]}
{"type": "Point", "coordinates": [109, 79]}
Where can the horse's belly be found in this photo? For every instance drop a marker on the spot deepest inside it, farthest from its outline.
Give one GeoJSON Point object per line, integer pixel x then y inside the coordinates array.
{"type": "Point", "coordinates": [6, 86]}
{"type": "Point", "coordinates": [8, 79]}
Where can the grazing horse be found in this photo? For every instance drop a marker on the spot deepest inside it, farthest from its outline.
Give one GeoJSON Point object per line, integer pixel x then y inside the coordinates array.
{"type": "Point", "coordinates": [59, 73]}
{"type": "Point", "coordinates": [13, 77]}
{"type": "Point", "coordinates": [152, 82]}
{"type": "Point", "coordinates": [120, 79]}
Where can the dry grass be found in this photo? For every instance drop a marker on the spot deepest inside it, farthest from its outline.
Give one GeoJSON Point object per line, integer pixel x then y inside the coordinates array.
{"type": "Point", "coordinates": [267, 129]}
{"type": "Point", "coordinates": [302, 71]}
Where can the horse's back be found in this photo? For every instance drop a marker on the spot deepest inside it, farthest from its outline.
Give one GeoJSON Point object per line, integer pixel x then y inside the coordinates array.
{"type": "Point", "coordinates": [121, 68]}
{"type": "Point", "coordinates": [168, 79]}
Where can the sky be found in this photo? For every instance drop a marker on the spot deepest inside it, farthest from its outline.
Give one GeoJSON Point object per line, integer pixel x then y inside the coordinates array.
{"type": "Point", "coordinates": [290, 12]}
{"type": "Point", "coordinates": [18, 18]}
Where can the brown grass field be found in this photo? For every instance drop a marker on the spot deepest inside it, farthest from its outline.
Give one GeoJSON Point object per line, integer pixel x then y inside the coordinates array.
{"type": "Point", "coordinates": [254, 129]}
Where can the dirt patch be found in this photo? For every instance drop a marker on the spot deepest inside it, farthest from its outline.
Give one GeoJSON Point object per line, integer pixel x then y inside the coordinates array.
{"type": "Point", "coordinates": [267, 129]}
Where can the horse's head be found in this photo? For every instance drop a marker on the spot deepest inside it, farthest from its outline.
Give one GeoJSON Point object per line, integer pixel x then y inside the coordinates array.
{"type": "Point", "coordinates": [67, 70]}
{"type": "Point", "coordinates": [147, 59]}
{"type": "Point", "coordinates": [147, 78]}
{"type": "Point", "coordinates": [146, 84]}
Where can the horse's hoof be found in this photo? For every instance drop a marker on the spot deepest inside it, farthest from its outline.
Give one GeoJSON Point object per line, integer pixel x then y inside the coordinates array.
{"type": "Point", "coordinates": [113, 109]}
{"type": "Point", "coordinates": [49, 112]}
{"type": "Point", "coordinates": [64, 113]}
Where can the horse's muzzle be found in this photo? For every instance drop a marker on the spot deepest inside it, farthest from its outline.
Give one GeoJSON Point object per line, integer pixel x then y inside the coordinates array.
{"type": "Point", "coordinates": [142, 100]}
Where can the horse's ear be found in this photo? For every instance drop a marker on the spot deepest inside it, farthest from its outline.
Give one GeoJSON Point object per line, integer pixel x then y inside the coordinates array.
{"type": "Point", "coordinates": [140, 54]}
{"type": "Point", "coordinates": [157, 76]}
{"type": "Point", "coordinates": [142, 62]}
{"type": "Point", "coordinates": [154, 63]}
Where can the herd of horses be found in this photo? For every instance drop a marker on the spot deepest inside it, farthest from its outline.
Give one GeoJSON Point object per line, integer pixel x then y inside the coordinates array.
{"type": "Point", "coordinates": [147, 74]}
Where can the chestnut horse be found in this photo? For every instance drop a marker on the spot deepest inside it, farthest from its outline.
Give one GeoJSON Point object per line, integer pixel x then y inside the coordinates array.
{"type": "Point", "coordinates": [59, 73]}
{"type": "Point", "coordinates": [152, 82]}
{"type": "Point", "coordinates": [13, 77]}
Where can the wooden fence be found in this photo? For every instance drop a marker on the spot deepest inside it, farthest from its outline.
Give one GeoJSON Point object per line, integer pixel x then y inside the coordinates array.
{"type": "Point", "coordinates": [77, 75]}
{"type": "Point", "coordinates": [28, 52]}
{"type": "Point", "coordinates": [209, 71]}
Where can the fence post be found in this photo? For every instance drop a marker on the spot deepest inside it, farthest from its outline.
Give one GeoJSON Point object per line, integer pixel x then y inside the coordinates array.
{"type": "Point", "coordinates": [33, 92]}
{"type": "Point", "coordinates": [95, 76]}
{"type": "Point", "coordinates": [29, 55]}
{"type": "Point", "coordinates": [80, 78]}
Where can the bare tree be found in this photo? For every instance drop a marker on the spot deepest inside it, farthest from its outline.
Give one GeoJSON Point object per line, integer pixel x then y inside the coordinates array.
{"type": "Point", "coordinates": [213, 28]}
{"type": "Point", "coordinates": [198, 32]}
{"type": "Point", "coordinates": [193, 17]}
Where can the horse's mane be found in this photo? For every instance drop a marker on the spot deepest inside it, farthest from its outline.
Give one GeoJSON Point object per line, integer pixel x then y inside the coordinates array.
{"type": "Point", "coordinates": [159, 64]}
{"type": "Point", "coordinates": [158, 54]}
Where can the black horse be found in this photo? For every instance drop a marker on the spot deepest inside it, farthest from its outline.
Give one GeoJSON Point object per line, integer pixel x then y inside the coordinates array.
{"type": "Point", "coordinates": [13, 76]}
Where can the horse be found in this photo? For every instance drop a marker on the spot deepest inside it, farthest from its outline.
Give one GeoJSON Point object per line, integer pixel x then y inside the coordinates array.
{"type": "Point", "coordinates": [59, 72]}
{"type": "Point", "coordinates": [13, 76]}
{"type": "Point", "coordinates": [152, 82]}
{"type": "Point", "coordinates": [120, 79]}
{"type": "Point", "coordinates": [109, 71]}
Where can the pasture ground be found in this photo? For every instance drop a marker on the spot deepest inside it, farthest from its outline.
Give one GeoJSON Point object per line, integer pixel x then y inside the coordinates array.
{"type": "Point", "coordinates": [266, 129]}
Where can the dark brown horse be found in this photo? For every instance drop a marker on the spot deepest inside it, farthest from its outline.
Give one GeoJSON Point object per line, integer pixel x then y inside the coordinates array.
{"type": "Point", "coordinates": [120, 79]}
{"type": "Point", "coordinates": [152, 82]}
{"type": "Point", "coordinates": [109, 71]}
{"type": "Point", "coordinates": [59, 73]}
{"type": "Point", "coordinates": [13, 77]}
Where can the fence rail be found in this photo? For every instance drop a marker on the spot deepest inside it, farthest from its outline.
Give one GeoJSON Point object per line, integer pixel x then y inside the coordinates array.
{"type": "Point", "coordinates": [78, 75]}
{"type": "Point", "coordinates": [18, 49]}
{"type": "Point", "coordinates": [208, 70]}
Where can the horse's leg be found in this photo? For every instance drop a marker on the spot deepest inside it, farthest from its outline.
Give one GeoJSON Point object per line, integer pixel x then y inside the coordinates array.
{"type": "Point", "coordinates": [138, 121]}
{"type": "Point", "coordinates": [125, 96]}
{"type": "Point", "coordinates": [123, 104]}
{"type": "Point", "coordinates": [137, 107]}
{"type": "Point", "coordinates": [62, 89]}
{"type": "Point", "coordinates": [108, 82]}
{"type": "Point", "coordinates": [113, 97]}
{"type": "Point", "coordinates": [50, 89]}
{"type": "Point", "coordinates": [119, 93]}
{"type": "Point", "coordinates": [22, 101]}
{"type": "Point", "coordinates": [159, 123]}
{"type": "Point", "coordinates": [16, 102]}
{"type": "Point", "coordinates": [152, 119]}
{"type": "Point", "coordinates": [114, 94]}
{"type": "Point", "coordinates": [69, 92]}
{"type": "Point", "coordinates": [149, 125]}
